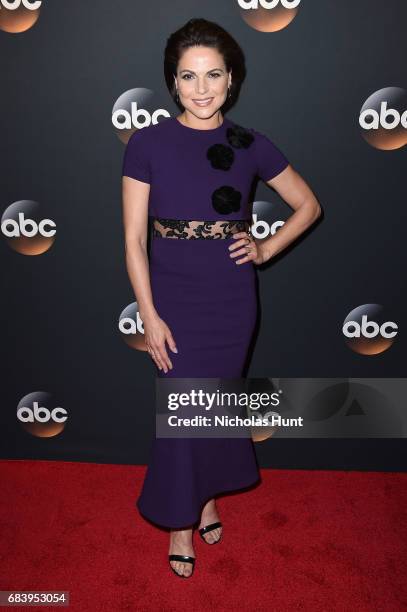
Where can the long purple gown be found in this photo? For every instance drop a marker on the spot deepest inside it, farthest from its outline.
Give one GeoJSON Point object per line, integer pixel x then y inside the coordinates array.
{"type": "Point", "coordinates": [207, 300]}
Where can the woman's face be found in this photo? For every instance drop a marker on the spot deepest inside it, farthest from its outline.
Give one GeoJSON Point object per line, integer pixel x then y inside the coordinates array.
{"type": "Point", "coordinates": [202, 81]}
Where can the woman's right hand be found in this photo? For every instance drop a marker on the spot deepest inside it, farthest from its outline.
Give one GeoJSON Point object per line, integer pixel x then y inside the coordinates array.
{"type": "Point", "coordinates": [156, 332]}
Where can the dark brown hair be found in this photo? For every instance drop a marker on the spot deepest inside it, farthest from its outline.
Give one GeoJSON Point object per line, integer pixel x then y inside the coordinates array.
{"type": "Point", "coordinates": [199, 31]}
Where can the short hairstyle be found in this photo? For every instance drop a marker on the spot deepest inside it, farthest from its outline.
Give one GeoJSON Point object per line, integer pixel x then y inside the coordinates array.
{"type": "Point", "coordinates": [199, 31]}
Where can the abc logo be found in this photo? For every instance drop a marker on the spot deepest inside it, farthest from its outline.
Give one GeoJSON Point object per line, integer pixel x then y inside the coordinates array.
{"type": "Point", "coordinates": [131, 327]}
{"type": "Point", "coordinates": [260, 433]}
{"type": "Point", "coordinates": [266, 392]}
{"type": "Point", "coordinates": [268, 15]}
{"type": "Point", "coordinates": [383, 118]}
{"type": "Point", "coordinates": [135, 109]}
{"type": "Point", "coordinates": [18, 15]}
{"type": "Point", "coordinates": [268, 217]}
{"type": "Point", "coordinates": [261, 229]}
{"type": "Point", "coordinates": [12, 5]}
{"type": "Point", "coordinates": [39, 420]}
{"type": "Point", "coordinates": [365, 335]}
{"type": "Point", "coordinates": [387, 118]}
{"type": "Point", "coordinates": [268, 4]}
{"type": "Point", "coordinates": [27, 232]}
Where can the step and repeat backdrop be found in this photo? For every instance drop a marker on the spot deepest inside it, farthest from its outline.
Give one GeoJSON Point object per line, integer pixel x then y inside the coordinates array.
{"type": "Point", "coordinates": [326, 81]}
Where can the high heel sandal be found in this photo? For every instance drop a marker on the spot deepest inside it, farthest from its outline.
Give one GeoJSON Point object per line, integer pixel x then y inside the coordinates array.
{"type": "Point", "coordinates": [208, 528]}
{"type": "Point", "coordinates": [184, 559]}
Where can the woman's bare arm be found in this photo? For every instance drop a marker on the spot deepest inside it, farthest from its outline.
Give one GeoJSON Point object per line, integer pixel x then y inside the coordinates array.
{"type": "Point", "coordinates": [298, 195]}
{"type": "Point", "coordinates": [135, 196]}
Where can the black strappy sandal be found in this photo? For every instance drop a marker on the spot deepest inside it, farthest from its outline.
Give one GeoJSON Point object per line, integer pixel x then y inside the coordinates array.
{"type": "Point", "coordinates": [184, 559]}
{"type": "Point", "coordinates": [208, 528]}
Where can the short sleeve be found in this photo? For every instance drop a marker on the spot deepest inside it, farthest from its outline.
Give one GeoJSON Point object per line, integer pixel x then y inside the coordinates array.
{"type": "Point", "coordinates": [136, 162]}
{"type": "Point", "coordinates": [270, 161]}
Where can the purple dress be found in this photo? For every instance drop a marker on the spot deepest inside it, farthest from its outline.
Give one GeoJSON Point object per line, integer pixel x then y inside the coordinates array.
{"type": "Point", "coordinates": [207, 300]}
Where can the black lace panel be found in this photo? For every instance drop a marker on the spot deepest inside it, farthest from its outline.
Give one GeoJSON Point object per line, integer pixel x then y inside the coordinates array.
{"type": "Point", "coordinates": [198, 230]}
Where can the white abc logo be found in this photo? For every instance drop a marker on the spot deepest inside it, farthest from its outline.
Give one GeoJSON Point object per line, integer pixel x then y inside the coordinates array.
{"type": "Point", "coordinates": [268, 4]}
{"type": "Point", "coordinates": [19, 228]}
{"type": "Point", "coordinates": [261, 229]}
{"type": "Point", "coordinates": [382, 119]}
{"type": "Point", "coordinates": [131, 119]}
{"type": "Point", "coordinates": [40, 414]}
{"type": "Point", "coordinates": [12, 5]}
{"type": "Point", "coordinates": [134, 326]}
{"type": "Point", "coordinates": [362, 330]}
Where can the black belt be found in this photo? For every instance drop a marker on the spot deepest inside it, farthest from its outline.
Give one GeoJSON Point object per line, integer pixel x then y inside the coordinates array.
{"type": "Point", "coordinates": [198, 230]}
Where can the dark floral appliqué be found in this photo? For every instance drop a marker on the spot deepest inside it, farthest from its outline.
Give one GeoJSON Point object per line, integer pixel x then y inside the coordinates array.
{"type": "Point", "coordinates": [239, 137]}
{"type": "Point", "coordinates": [221, 156]}
{"type": "Point", "coordinates": [226, 200]}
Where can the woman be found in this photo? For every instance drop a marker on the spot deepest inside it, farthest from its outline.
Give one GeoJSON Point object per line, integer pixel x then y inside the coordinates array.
{"type": "Point", "coordinates": [197, 293]}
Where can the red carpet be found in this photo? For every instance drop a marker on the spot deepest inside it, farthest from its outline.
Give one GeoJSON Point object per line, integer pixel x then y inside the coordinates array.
{"type": "Point", "coordinates": [302, 540]}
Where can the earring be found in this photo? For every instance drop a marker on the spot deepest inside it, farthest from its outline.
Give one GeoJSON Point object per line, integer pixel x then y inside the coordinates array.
{"type": "Point", "coordinates": [177, 96]}
{"type": "Point", "coordinates": [229, 92]}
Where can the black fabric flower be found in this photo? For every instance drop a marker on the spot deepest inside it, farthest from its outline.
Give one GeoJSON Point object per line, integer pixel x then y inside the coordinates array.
{"type": "Point", "coordinates": [221, 156]}
{"type": "Point", "coordinates": [239, 137]}
{"type": "Point", "coordinates": [226, 200]}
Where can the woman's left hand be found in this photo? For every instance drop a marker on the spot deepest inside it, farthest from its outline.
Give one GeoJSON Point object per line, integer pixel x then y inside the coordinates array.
{"type": "Point", "coordinates": [248, 247]}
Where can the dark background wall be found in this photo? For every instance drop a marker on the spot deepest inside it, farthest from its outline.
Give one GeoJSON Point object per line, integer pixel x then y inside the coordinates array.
{"type": "Point", "coordinates": [305, 87]}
